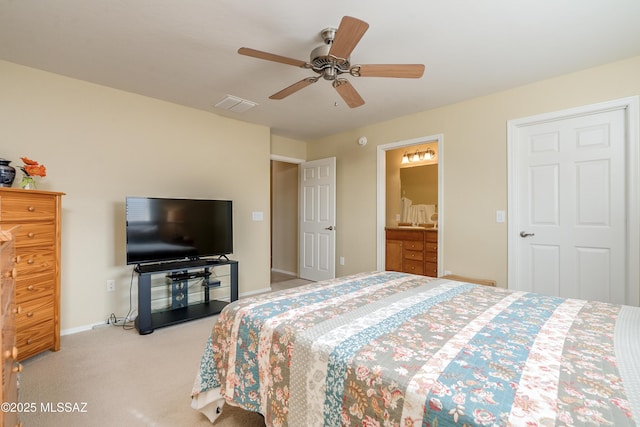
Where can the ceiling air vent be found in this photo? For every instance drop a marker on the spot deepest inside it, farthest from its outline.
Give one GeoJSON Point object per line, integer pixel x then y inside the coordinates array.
{"type": "Point", "coordinates": [235, 104]}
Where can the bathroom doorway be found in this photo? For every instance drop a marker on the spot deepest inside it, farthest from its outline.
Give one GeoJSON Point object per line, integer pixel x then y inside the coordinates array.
{"type": "Point", "coordinates": [385, 216]}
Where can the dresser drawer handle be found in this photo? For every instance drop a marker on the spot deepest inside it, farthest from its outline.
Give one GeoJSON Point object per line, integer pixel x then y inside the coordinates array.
{"type": "Point", "coordinates": [30, 287]}
{"type": "Point", "coordinates": [29, 341]}
{"type": "Point", "coordinates": [11, 354]}
{"type": "Point", "coordinates": [17, 259]}
{"type": "Point", "coordinates": [31, 209]}
{"type": "Point", "coordinates": [30, 314]}
{"type": "Point", "coordinates": [18, 310]}
{"type": "Point", "coordinates": [11, 274]}
{"type": "Point", "coordinates": [30, 261]}
{"type": "Point", "coordinates": [31, 235]}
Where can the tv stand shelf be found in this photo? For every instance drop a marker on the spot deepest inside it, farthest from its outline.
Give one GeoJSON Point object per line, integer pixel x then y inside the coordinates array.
{"type": "Point", "coordinates": [181, 271]}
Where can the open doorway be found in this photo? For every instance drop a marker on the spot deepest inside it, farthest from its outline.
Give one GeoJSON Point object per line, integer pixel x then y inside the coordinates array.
{"type": "Point", "coordinates": [284, 220]}
{"type": "Point", "coordinates": [382, 214]}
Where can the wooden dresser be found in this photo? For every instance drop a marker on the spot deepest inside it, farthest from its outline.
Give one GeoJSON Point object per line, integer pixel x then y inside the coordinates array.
{"type": "Point", "coordinates": [38, 280]}
{"type": "Point", "coordinates": [412, 251]}
{"type": "Point", "coordinates": [10, 366]}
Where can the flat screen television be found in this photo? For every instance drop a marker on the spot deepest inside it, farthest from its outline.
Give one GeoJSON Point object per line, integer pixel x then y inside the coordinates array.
{"type": "Point", "coordinates": [160, 229]}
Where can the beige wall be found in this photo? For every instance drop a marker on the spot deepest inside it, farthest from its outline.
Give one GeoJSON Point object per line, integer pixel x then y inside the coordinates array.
{"type": "Point", "coordinates": [474, 161]}
{"type": "Point", "coordinates": [100, 145]}
{"type": "Point", "coordinates": [282, 147]}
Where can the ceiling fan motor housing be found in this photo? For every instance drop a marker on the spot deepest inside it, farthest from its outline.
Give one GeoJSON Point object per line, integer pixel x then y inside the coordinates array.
{"type": "Point", "coordinates": [323, 63]}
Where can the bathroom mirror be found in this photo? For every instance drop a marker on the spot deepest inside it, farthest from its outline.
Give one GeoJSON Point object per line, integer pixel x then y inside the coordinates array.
{"type": "Point", "coordinates": [420, 184]}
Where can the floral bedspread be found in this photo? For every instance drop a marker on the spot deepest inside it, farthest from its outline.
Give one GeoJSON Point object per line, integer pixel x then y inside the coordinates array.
{"type": "Point", "coordinates": [393, 349]}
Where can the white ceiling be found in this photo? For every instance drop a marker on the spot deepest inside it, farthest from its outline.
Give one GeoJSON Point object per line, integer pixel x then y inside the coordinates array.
{"type": "Point", "coordinates": [185, 51]}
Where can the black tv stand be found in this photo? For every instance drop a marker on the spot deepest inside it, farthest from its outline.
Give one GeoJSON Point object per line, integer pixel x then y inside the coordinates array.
{"type": "Point", "coordinates": [180, 272]}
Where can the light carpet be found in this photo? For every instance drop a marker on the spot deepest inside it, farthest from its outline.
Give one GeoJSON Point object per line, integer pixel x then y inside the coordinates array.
{"type": "Point", "coordinates": [115, 377]}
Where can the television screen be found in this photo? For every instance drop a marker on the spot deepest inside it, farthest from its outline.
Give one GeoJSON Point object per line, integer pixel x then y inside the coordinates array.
{"type": "Point", "coordinates": [161, 229]}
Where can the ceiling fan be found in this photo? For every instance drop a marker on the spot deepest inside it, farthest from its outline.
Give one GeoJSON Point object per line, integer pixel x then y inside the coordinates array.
{"type": "Point", "coordinates": [332, 59]}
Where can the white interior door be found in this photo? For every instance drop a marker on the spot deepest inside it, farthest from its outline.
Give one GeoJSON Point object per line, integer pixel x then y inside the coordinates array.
{"type": "Point", "coordinates": [317, 246]}
{"type": "Point", "coordinates": [569, 233]}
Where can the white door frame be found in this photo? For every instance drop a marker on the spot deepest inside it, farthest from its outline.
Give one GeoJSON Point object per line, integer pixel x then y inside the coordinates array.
{"type": "Point", "coordinates": [631, 106]}
{"type": "Point", "coordinates": [381, 217]}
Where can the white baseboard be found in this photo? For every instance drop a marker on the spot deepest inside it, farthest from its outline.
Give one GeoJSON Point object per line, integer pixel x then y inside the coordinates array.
{"type": "Point", "coordinates": [84, 328]}
{"type": "Point", "coordinates": [290, 273]}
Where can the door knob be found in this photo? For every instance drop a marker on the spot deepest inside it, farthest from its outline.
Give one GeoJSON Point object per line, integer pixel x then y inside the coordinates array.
{"type": "Point", "coordinates": [330, 228]}
{"type": "Point", "coordinates": [525, 234]}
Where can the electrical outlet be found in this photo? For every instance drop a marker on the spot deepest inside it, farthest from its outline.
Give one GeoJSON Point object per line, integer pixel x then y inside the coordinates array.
{"type": "Point", "coordinates": [111, 285]}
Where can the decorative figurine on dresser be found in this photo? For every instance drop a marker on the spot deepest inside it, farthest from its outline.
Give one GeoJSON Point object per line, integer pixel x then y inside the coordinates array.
{"type": "Point", "coordinates": [37, 242]}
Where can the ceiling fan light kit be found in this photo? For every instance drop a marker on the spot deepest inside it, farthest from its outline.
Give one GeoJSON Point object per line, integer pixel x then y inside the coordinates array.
{"type": "Point", "coordinates": [332, 59]}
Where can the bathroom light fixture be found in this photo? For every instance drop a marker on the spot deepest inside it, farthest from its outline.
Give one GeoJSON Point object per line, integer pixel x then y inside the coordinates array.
{"type": "Point", "coordinates": [417, 156]}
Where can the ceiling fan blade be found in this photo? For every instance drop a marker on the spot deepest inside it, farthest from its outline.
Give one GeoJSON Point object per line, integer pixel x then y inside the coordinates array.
{"type": "Point", "coordinates": [348, 93]}
{"type": "Point", "coordinates": [294, 88]}
{"type": "Point", "coordinates": [411, 71]}
{"type": "Point", "coordinates": [347, 36]}
{"type": "Point", "coordinates": [272, 57]}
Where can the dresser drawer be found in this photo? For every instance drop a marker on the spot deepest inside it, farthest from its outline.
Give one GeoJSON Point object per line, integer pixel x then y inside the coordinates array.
{"type": "Point", "coordinates": [36, 234]}
{"type": "Point", "coordinates": [431, 236]}
{"type": "Point", "coordinates": [395, 234]}
{"type": "Point", "coordinates": [431, 269]}
{"type": "Point", "coordinates": [8, 274]}
{"type": "Point", "coordinates": [35, 340]}
{"type": "Point", "coordinates": [7, 295]}
{"type": "Point", "coordinates": [431, 257]}
{"type": "Point", "coordinates": [27, 206]}
{"type": "Point", "coordinates": [414, 255]}
{"type": "Point", "coordinates": [34, 260]}
{"type": "Point", "coordinates": [414, 267]}
{"type": "Point", "coordinates": [35, 286]}
{"type": "Point", "coordinates": [8, 331]}
{"type": "Point", "coordinates": [33, 312]}
{"type": "Point", "coordinates": [413, 245]}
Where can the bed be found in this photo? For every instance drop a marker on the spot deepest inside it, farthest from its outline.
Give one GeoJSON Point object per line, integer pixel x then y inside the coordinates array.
{"type": "Point", "coordinates": [394, 349]}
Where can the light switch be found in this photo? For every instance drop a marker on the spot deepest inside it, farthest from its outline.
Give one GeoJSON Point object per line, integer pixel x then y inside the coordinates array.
{"type": "Point", "coordinates": [257, 216]}
{"type": "Point", "coordinates": [499, 216]}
